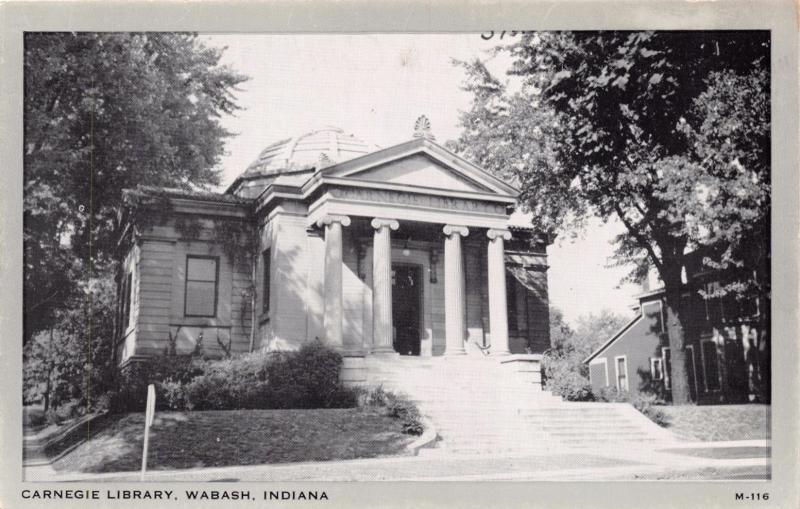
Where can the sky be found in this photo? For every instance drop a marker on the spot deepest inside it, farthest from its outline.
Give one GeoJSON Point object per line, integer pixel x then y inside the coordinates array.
{"type": "Point", "coordinates": [375, 86]}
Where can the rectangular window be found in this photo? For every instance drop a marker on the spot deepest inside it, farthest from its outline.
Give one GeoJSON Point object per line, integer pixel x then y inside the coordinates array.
{"type": "Point", "coordinates": [265, 257]}
{"type": "Point", "coordinates": [127, 293]}
{"type": "Point", "coordinates": [665, 354]}
{"type": "Point", "coordinates": [656, 368]}
{"type": "Point", "coordinates": [622, 373]}
{"type": "Point", "coordinates": [202, 274]}
{"type": "Point", "coordinates": [710, 365]}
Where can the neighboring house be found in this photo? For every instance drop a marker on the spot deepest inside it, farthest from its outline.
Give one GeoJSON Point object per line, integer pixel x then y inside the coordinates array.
{"type": "Point", "coordinates": [727, 346]}
{"type": "Point", "coordinates": [405, 250]}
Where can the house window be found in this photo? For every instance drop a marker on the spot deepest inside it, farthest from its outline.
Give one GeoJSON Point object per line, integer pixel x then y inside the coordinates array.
{"type": "Point", "coordinates": [656, 368]}
{"type": "Point", "coordinates": [265, 257]}
{"type": "Point", "coordinates": [622, 373]}
{"type": "Point", "coordinates": [667, 362]}
{"type": "Point", "coordinates": [127, 293]}
{"type": "Point", "coordinates": [710, 365]}
{"type": "Point", "coordinates": [202, 275]}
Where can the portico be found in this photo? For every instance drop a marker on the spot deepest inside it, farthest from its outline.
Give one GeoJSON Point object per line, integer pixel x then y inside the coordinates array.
{"type": "Point", "coordinates": [380, 282]}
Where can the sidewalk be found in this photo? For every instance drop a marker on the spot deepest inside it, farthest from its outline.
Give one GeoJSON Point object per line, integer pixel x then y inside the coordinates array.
{"type": "Point", "coordinates": [431, 465]}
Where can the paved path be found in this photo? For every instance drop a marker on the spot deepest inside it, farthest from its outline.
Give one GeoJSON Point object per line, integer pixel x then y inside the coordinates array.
{"type": "Point", "coordinates": [598, 464]}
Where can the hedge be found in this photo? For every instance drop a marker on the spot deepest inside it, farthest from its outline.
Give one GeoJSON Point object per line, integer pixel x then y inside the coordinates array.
{"type": "Point", "coordinates": [306, 378]}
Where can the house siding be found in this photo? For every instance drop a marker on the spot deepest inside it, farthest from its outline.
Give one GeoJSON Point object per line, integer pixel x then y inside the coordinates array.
{"type": "Point", "coordinates": [159, 296]}
{"type": "Point", "coordinates": [638, 344]}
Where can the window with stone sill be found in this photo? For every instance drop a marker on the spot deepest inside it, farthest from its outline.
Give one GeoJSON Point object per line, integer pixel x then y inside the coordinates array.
{"type": "Point", "coordinates": [202, 281]}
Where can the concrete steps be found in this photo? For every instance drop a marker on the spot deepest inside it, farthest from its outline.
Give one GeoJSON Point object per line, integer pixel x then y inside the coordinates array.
{"type": "Point", "coordinates": [481, 405]}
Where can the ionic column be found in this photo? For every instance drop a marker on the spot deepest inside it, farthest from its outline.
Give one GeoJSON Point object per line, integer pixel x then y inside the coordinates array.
{"type": "Point", "coordinates": [498, 311]}
{"type": "Point", "coordinates": [332, 320]}
{"type": "Point", "coordinates": [382, 285]}
{"type": "Point", "coordinates": [454, 290]}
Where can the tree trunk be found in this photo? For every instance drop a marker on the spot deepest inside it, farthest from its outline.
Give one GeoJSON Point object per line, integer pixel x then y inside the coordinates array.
{"type": "Point", "coordinates": [49, 385]}
{"type": "Point", "coordinates": [676, 321]}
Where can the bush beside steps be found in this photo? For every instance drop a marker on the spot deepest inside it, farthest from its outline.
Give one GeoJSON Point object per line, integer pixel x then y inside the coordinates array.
{"type": "Point", "coordinates": [306, 378]}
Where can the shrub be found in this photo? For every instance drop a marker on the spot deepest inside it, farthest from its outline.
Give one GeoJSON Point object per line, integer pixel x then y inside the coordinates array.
{"type": "Point", "coordinates": [307, 378]}
{"type": "Point", "coordinates": [173, 394]}
{"type": "Point", "coordinates": [236, 382]}
{"type": "Point", "coordinates": [396, 406]}
{"type": "Point", "coordinates": [563, 377]}
{"type": "Point", "coordinates": [404, 409]}
{"type": "Point", "coordinates": [51, 417]}
{"type": "Point", "coordinates": [131, 394]}
{"type": "Point", "coordinates": [70, 410]}
{"type": "Point", "coordinates": [376, 397]}
{"type": "Point", "coordinates": [612, 395]}
{"type": "Point", "coordinates": [647, 404]}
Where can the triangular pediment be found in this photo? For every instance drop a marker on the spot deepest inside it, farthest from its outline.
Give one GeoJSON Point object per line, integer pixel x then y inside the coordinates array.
{"type": "Point", "coordinates": [419, 170]}
{"type": "Point", "coordinates": [421, 163]}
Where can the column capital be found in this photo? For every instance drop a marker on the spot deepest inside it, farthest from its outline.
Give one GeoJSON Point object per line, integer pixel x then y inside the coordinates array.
{"type": "Point", "coordinates": [450, 229]}
{"type": "Point", "coordinates": [380, 222]}
{"type": "Point", "coordinates": [333, 218]}
{"type": "Point", "coordinates": [494, 233]}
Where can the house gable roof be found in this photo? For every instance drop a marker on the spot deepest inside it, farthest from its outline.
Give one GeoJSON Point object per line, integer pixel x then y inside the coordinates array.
{"type": "Point", "coordinates": [641, 315]}
{"type": "Point", "coordinates": [613, 338]}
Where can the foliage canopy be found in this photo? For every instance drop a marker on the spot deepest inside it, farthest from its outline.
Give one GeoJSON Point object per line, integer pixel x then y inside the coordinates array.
{"type": "Point", "coordinates": [105, 112]}
{"type": "Point", "coordinates": [667, 132]}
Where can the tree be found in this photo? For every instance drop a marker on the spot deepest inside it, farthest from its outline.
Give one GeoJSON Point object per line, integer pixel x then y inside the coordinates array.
{"type": "Point", "coordinates": [668, 132]}
{"type": "Point", "coordinates": [565, 372]}
{"type": "Point", "coordinates": [593, 330]}
{"type": "Point", "coordinates": [561, 333]}
{"type": "Point", "coordinates": [70, 360]}
{"type": "Point", "coordinates": [104, 112]}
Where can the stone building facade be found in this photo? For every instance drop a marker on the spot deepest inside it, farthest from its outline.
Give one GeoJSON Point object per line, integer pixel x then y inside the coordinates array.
{"type": "Point", "coordinates": [407, 250]}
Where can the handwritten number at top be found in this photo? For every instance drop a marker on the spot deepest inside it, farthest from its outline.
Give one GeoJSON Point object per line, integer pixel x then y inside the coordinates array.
{"type": "Point", "coordinates": [491, 33]}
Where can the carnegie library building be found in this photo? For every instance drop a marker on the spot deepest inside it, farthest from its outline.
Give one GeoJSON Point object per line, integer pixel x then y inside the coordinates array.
{"type": "Point", "coordinates": [408, 250]}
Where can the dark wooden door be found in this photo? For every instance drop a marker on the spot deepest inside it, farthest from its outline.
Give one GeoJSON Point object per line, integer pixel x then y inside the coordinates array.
{"type": "Point", "coordinates": [406, 307]}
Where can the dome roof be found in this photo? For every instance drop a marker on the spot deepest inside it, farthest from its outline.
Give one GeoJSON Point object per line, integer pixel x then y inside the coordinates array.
{"type": "Point", "coordinates": [317, 148]}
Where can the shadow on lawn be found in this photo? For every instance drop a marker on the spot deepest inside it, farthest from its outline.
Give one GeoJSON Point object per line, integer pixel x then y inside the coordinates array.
{"type": "Point", "coordinates": [238, 437]}
{"type": "Point", "coordinates": [109, 449]}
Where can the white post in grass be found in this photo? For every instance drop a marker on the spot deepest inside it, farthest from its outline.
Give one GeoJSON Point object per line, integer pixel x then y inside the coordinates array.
{"type": "Point", "coordinates": [148, 421]}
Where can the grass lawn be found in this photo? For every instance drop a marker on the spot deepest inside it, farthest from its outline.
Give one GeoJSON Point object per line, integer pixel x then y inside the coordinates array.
{"type": "Point", "coordinates": [237, 437]}
{"type": "Point", "coordinates": [719, 422]}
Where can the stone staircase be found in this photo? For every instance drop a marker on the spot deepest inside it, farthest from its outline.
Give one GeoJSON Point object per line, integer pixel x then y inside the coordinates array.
{"type": "Point", "coordinates": [480, 405]}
